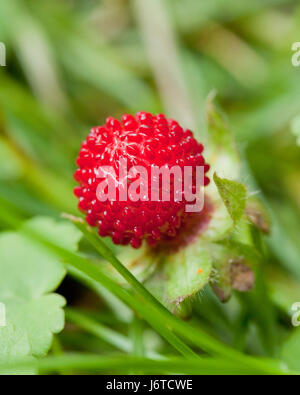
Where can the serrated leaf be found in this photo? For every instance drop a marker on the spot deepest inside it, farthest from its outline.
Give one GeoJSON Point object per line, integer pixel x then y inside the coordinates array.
{"type": "Point", "coordinates": [61, 233]}
{"type": "Point", "coordinates": [180, 275]}
{"type": "Point", "coordinates": [39, 318]}
{"type": "Point", "coordinates": [14, 344]}
{"type": "Point", "coordinates": [188, 271]}
{"type": "Point", "coordinates": [234, 195]}
{"type": "Point", "coordinates": [28, 275]}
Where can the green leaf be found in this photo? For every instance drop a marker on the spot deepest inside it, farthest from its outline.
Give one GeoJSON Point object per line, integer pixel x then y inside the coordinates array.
{"type": "Point", "coordinates": [188, 271]}
{"type": "Point", "coordinates": [180, 275]}
{"type": "Point", "coordinates": [14, 345]}
{"type": "Point", "coordinates": [234, 195]}
{"type": "Point", "coordinates": [28, 275]}
{"type": "Point", "coordinates": [62, 233]}
{"type": "Point", "coordinates": [39, 319]}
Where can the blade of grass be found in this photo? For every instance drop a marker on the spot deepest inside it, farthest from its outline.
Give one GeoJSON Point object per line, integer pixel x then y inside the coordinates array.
{"type": "Point", "coordinates": [137, 340]}
{"type": "Point", "coordinates": [138, 348]}
{"type": "Point", "coordinates": [110, 336]}
{"type": "Point", "coordinates": [79, 362]}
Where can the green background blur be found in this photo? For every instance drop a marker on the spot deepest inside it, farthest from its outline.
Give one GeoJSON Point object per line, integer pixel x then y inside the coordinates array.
{"type": "Point", "coordinates": [71, 63]}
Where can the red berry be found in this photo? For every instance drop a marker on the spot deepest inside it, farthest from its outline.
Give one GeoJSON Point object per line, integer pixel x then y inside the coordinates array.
{"type": "Point", "coordinates": [144, 140]}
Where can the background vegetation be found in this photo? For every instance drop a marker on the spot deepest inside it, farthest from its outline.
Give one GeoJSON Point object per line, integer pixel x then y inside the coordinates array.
{"type": "Point", "coordinates": [70, 64]}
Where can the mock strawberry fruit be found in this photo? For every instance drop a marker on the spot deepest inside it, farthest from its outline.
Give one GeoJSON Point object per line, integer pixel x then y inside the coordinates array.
{"type": "Point", "coordinates": [134, 177]}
